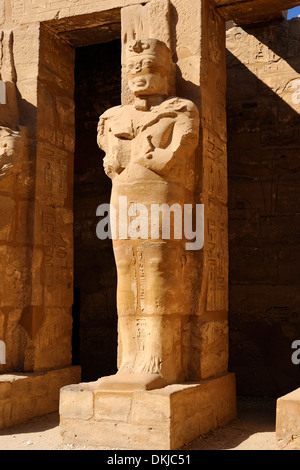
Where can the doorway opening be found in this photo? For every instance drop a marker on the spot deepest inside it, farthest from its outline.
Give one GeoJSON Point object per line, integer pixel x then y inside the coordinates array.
{"type": "Point", "coordinates": [97, 88]}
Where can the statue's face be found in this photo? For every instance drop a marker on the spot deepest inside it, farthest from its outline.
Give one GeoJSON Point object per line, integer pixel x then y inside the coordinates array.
{"type": "Point", "coordinates": [146, 76]}
{"type": "Point", "coordinates": [9, 144]}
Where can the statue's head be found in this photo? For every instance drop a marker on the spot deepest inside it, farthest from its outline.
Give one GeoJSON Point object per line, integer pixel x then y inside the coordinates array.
{"type": "Point", "coordinates": [149, 65]}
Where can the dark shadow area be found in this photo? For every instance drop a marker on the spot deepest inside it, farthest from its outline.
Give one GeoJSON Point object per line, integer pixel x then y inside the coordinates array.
{"type": "Point", "coordinates": [76, 328]}
{"type": "Point", "coordinates": [97, 88]}
{"type": "Point", "coordinates": [264, 221]}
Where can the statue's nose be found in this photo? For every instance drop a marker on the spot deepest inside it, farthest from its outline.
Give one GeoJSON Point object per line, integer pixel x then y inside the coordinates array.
{"type": "Point", "coordinates": [137, 68]}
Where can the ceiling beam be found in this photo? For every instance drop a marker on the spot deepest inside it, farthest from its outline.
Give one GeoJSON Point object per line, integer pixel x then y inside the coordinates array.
{"type": "Point", "coordinates": [251, 11]}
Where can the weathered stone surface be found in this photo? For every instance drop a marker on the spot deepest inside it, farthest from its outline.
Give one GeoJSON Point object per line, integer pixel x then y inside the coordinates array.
{"type": "Point", "coordinates": [164, 419]}
{"type": "Point", "coordinates": [288, 420]}
{"type": "Point", "coordinates": [24, 396]}
{"type": "Point", "coordinates": [24, 12]}
{"type": "Point", "coordinates": [263, 166]}
{"type": "Point", "coordinates": [251, 11]}
{"type": "Point", "coordinates": [74, 405]}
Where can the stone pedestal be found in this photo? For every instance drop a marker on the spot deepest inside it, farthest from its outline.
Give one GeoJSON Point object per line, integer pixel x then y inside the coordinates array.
{"type": "Point", "coordinates": [24, 396]}
{"type": "Point", "coordinates": [288, 420]}
{"type": "Point", "coordinates": [162, 419]}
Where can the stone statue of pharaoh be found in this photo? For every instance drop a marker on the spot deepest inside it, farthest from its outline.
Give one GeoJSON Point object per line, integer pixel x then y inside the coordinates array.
{"type": "Point", "coordinates": [150, 147]}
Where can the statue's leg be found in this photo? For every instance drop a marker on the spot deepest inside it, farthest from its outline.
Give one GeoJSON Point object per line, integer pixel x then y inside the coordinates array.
{"type": "Point", "coordinates": [150, 311]}
{"type": "Point", "coordinates": [149, 320]}
{"type": "Point", "coordinates": [162, 308]}
{"type": "Point", "coordinates": [135, 333]}
{"type": "Point", "coordinates": [127, 301]}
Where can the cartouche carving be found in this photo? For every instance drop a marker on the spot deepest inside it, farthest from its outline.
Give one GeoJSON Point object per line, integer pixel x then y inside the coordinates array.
{"type": "Point", "coordinates": [150, 148]}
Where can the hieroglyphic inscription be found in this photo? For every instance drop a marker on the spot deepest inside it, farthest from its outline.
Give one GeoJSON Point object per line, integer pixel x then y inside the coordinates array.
{"type": "Point", "coordinates": [54, 176]}
{"type": "Point", "coordinates": [216, 299]}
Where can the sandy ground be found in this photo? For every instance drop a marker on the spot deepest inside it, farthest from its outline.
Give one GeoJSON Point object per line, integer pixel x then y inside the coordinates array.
{"type": "Point", "coordinates": [254, 429]}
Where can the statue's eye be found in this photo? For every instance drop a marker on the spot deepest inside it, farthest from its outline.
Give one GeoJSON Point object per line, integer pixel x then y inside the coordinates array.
{"type": "Point", "coordinates": [130, 65]}
{"type": "Point", "coordinates": [147, 63]}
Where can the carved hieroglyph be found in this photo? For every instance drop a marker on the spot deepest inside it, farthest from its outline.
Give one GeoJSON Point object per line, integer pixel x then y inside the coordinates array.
{"type": "Point", "coordinates": [149, 148]}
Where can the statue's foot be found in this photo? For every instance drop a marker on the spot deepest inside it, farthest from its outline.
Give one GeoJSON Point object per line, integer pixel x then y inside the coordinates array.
{"type": "Point", "coordinates": [131, 382]}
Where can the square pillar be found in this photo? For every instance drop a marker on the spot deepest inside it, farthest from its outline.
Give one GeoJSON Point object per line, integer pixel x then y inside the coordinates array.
{"type": "Point", "coordinates": [169, 417]}
{"type": "Point", "coordinates": [36, 225]}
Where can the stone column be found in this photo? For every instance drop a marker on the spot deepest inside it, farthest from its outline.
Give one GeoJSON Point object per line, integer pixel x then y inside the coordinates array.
{"type": "Point", "coordinates": [53, 222]}
{"type": "Point", "coordinates": [16, 189]}
{"type": "Point", "coordinates": [199, 51]}
{"type": "Point", "coordinates": [36, 333]}
{"type": "Point", "coordinates": [172, 413]}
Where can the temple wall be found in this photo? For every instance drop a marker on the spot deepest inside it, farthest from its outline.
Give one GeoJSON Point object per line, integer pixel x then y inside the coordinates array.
{"type": "Point", "coordinates": [17, 191]}
{"type": "Point", "coordinates": [37, 205]}
{"type": "Point", "coordinates": [263, 67]}
{"type": "Point", "coordinates": [37, 284]}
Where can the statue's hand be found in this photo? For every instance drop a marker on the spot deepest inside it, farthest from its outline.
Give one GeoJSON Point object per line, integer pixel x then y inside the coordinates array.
{"type": "Point", "coordinates": [112, 167]}
{"type": "Point", "coordinates": [157, 160]}
{"type": "Point", "coordinates": [154, 158]}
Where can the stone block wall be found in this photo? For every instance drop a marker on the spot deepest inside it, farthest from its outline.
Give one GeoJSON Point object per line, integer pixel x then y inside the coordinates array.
{"type": "Point", "coordinates": [263, 66]}
{"type": "Point", "coordinates": [53, 222]}
{"type": "Point", "coordinates": [36, 239]}
{"type": "Point", "coordinates": [17, 188]}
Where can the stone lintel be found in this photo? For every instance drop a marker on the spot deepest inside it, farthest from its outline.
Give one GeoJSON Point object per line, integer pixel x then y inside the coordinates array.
{"type": "Point", "coordinates": [252, 11]}
{"type": "Point", "coordinates": [288, 420]}
{"type": "Point", "coordinates": [163, 419]}
{"type": "Point", "coordinates": [27, 395]}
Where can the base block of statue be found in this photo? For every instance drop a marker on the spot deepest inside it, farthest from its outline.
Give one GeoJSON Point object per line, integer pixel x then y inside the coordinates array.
{"type": "Point", "coordinates": [288, 421]}
{"type": "Point", "coordinates": [160, 419]}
